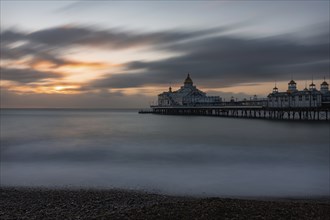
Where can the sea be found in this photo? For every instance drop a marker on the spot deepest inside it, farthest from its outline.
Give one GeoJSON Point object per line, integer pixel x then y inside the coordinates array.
{"type": "Point", "coordinates": [168, 154]}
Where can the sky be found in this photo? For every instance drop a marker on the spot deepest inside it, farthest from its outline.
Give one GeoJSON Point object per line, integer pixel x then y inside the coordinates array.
{"type": "Point", "coordinates": [121, 54]}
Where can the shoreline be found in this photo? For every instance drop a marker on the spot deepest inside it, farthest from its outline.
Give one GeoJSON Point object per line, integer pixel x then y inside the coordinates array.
{"type": "Point", "coordinates": [74, 203]}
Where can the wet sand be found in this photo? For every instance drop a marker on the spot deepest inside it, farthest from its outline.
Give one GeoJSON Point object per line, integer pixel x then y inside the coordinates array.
{"type": "Point", "coordinates": [45, 203]}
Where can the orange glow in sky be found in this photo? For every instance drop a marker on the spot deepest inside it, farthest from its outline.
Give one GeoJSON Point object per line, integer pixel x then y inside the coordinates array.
{"type": "Point", "coordinates": [230, 49]}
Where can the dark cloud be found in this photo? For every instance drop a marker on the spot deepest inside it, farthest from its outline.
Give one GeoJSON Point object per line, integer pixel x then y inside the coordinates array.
{"type": "Point", "coordinates": [226, 60]}
{"type": "Point", "coordinates": [214, 60]}
{"type": "Point", "coordinates": [35, 52]}
{"type": "Point", "coordinates": [39, 55]}
{"type": "Point", "coordinates": [51, 44]}
{"type": "Point", "coordinates": [10, 36]}
{"type": "Point", "coordinates": [26, 75]}
{"type": "Point", "coordinates": [114, 38]}
{"type": "Point", "coordinates": [15, 53]}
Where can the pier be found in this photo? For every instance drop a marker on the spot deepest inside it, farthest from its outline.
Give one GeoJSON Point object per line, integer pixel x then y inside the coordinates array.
{"type": "Point", "coordinates": [292, 104]}
{"type": "Point", "coordinates": [300, 113]}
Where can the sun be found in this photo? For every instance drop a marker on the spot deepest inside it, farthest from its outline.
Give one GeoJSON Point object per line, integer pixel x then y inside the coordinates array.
{"type": "Point", "coordinates": [59, 88]}
{"type": "Point", "coordinates": [65, 89]}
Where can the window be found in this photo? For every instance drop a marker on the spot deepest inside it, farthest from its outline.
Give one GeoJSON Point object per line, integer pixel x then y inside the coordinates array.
{"type": "Point", "coordinates": [300, 98]}
{"type": "Point", "coordinates": [314, 97]}
{"type": "Point", "coordinates": [307, 97]}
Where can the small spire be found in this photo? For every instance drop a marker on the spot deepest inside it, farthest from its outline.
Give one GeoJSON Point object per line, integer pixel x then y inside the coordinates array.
{"type": "Point", "coordinates": [305, 89]}
{"type": "Point", "coordinates": [188, 80]}
{"type": "Point", "coordinates": [324, 83]}
{"type": "Point", "coordinates": [312, 84]}
{"type": "Point", "coordinates": [275, 89]}
{"type": "Point", "coordinates": [170, 87]}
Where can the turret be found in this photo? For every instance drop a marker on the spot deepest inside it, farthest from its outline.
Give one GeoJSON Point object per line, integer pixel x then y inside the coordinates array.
{"type": "Point", "coordinates": [188, 82]}
{"type": "Point", "coordinates": [170, 89]}
{"type": "Point", "coordinates": [305, 89]}
{"type": "Point", "coordinates": [324, 87]}
{"type": "Point", "coordinates": [292, 86]}
{"type": "Point", "coordinates": [275, 89]}
{"type": "Point", "coordinates": [312, 86]}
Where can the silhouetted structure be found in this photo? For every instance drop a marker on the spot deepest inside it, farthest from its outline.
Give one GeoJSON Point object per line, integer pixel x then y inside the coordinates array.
{"type": "Point", "coordinates": [308, 104]}
{"type": "Point", "coordinates": [187, 95]}
{"type": "Point", "coordinates": [294, 98]}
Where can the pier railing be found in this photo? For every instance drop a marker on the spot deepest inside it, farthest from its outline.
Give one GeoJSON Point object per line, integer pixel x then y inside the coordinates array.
{"type": "Point", "coordinates": [298, 113]}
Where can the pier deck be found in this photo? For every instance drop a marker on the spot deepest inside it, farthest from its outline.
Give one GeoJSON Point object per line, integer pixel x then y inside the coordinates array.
{"type": "Point", "coordinates": [301, 113]}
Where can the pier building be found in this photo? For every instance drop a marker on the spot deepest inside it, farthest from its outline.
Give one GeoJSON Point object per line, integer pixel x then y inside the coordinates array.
{"type": "Point", "coordinates": [187, 95]}
{"type": "Point", "coordinates": [293, 98]}
{"type": "Point", "coordinates": [325, 93]}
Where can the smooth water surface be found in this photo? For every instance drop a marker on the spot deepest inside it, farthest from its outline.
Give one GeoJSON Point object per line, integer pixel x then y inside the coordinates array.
{"type": "Point", "coordinates": [186, 155]}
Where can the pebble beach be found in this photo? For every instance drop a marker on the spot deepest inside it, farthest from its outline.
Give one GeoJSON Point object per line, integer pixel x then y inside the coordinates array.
{"type": "Point", "coordinates": [48, 203]}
